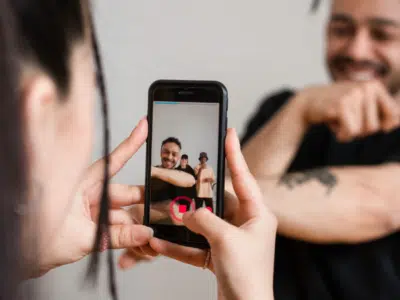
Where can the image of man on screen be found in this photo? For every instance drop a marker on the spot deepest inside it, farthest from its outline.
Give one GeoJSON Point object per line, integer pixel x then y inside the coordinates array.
{"type": "Point", "coordinates": [186, 192]}
{"type": "Point", "coordinates": [205, 180]}
{"type": "Point", "coordinates": [165, 181]}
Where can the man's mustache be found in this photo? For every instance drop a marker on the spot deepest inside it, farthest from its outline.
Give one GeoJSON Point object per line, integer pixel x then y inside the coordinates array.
{"type": "Point", "coordinates": [342, 61]}
{"type": "Point", "coordinates": [167, 160]}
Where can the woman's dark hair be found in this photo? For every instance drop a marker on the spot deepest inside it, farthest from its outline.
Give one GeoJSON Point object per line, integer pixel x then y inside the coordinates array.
{"type": "Point", "coordinates": [41, 32]}
{"type": "Point", "coordinates": [315, 5]}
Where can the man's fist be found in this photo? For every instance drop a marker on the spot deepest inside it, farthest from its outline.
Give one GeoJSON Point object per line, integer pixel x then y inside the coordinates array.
{"type": "Point", "coordinates": [351, 109]}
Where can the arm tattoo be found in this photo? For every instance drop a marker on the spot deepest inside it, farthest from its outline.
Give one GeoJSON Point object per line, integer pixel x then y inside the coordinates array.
{"type": "Point", "coordinates": [323, 176]}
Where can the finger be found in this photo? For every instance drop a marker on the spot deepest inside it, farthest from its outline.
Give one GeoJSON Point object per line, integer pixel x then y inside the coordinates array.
{"type": "Point", "coordinates": [187, 255]}
{"type": "Point", "coordinates": [207, 224]}
{"type": "Point", "coordinates": [120, 195]}
{"type": "Point", "coordinates": [334, 126]}
{"type": "Point", "coordinates": [244, 184]}
{"type": "Point", "coordinates": [137, 212]}
{"type": "Point", "coordinates": [148, 251]}
{"type": "Point", "coordinates": [119, 217]}
{"type": "Point", "coordinates": [129, 259]}
{"type": "Point", "coordinates": [348, 123]}
{"type": "Point", "coordinates": [371, 116]}
{"type": "Point", "coordinates": [388, 110]}
{"type": "Point", "coordinates": [356, 116]}
{"type": "Point", "coordinates": [231, 204]}
{"type": "Point", "coordinates": [120, 156]}
{"type": "Point", "coordinates": [116, 216]}
{"type": "Point", "coordinates": [129, 236]}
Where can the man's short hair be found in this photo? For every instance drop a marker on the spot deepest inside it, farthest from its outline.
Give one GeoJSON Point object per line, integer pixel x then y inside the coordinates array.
{"type": "Point", "coordinates": [172, 140]}
{"type": "Point", "coordinates": [185, 156]}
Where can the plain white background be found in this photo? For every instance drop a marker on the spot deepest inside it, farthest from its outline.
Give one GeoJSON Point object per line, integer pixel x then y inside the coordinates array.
{"type": "Point", "coordinates": [254, 47]}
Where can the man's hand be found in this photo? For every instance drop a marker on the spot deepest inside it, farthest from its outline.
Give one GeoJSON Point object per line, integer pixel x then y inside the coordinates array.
{"type": "Point", "coordinates": [174, 177]}
{"type": "Point", "coordinates": [314, 209]}
{"type": "Point", "coordinates": [351, 109]}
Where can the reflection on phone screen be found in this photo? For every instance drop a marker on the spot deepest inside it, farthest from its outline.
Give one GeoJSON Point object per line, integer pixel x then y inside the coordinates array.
{"type": "Point", "coordinates": [184, 159]}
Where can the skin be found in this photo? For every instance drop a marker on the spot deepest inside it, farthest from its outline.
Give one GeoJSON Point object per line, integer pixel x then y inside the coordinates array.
{"type": "Point", "coordinates": [203, 165]}
{"type": "Point", "coordinates": [170, 155]}
{"type": "Point", "coordinates": [59, 169]}
{"type": "Point", "coordinates": [245, 246]}
{"type": "Point", "coordinates": [361, 101]}
{"type": "Point", "coordinates": [184, 163]}
{"type": "Point", "coordinates": [368, 33]}
{"type": "Point", "coordinates": [234, 247]}
{"type": "Point", "coordinates": [372, 98]}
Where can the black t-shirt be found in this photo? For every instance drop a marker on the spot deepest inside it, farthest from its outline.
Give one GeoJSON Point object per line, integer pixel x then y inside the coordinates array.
{"type": "Point", "coordinates": [367, 271]}
{"type": "Point", "coordinates": [161, 190]}
{"type": "Point", "coordinates": [188, 192]}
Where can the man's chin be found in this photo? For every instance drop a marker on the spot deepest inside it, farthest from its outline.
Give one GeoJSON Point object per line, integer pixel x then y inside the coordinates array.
{"type": "Point", "coordinates": [168, 166]}
{"type": "Point", "coordinates": [339, 76]}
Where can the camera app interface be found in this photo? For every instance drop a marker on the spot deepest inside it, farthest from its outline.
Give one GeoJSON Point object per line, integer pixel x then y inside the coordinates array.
{"type": "Point", "coordinates": [183, 159]}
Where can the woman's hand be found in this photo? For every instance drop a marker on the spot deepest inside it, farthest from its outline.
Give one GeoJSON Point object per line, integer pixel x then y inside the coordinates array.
{"type": "Point", "coordinates": [76, 237]}
{"type": "Point", "coordinates": [242, 257]}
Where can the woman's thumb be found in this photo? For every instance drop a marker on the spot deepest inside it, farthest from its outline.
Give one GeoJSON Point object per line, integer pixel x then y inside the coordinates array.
{"type": "Point", "coordinates": [206, 223]}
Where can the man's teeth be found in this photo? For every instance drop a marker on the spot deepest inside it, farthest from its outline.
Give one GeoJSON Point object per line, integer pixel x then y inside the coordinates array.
{"type": "Point", "coordinates": [361, 76]}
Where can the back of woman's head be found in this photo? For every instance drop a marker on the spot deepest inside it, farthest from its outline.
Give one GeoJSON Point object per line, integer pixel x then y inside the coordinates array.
{"type": "Point", "coordinates": [37, 40]}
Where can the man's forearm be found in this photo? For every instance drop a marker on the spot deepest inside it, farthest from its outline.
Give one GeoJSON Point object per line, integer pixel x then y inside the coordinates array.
{"type": "Point", "coordinates": [338, 205]}
{"type": "Point", "coordinates": [175, 177]}
{"type": "Point", "coordinates": [273, 148]}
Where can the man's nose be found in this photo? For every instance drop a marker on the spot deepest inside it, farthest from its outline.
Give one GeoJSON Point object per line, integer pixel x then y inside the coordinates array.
{"type": "Point", "coordinates": [360, 46]}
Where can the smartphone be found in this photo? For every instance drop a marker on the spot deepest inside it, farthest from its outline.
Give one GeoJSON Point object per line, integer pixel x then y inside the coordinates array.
{"type": "Point", "coordinates": [185, 159]}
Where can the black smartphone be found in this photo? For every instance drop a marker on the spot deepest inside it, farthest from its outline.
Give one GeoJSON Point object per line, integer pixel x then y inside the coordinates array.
{"type": "Point", "coordinates": [185, 159]}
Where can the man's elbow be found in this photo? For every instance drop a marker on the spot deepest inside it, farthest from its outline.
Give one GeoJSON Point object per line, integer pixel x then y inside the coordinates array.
{"type": "Point", "coordinates": [378, 209]}
{"type": "Point", "coordinates": [190, 182]}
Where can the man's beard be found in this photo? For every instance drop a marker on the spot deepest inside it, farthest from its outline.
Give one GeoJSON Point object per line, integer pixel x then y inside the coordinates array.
{"type": "Point", "coordinates": [361, 70]}
{"type": "Point", "coordinates": [166, 162]}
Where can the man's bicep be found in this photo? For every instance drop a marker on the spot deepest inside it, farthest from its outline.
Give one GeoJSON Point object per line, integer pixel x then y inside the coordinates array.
{"type": "Point", "coordinates": [339, 204]}
{"type": "Point", "coordinates": [381, 178]}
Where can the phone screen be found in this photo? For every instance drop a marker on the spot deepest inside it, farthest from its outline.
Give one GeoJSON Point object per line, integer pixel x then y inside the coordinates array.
{"type": "Point", "coordinates": [184, 159]}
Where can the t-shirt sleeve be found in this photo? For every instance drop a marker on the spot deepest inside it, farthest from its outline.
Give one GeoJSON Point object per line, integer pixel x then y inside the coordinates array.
{"type": "Point", "coordinates": [393, 147]}
{"type": "Point", "coordinates": [265, 112]}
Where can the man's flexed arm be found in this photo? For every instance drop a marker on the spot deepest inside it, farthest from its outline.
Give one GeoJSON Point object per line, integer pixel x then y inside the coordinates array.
{"type": "Point", "coordinates": [318, 205]}
{"type": "Point", "coordinates": [335, 205]}
{"type": "Point", "coordinates": [175, 177]}
{"type": "Point", "coordinates": [350, 109]}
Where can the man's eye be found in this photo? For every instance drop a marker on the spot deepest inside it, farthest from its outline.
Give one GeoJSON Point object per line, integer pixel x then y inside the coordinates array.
{"type": "Point", "coordinates": [342, 31]}
{"type": "Point", "coordinates": [381, 35]}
